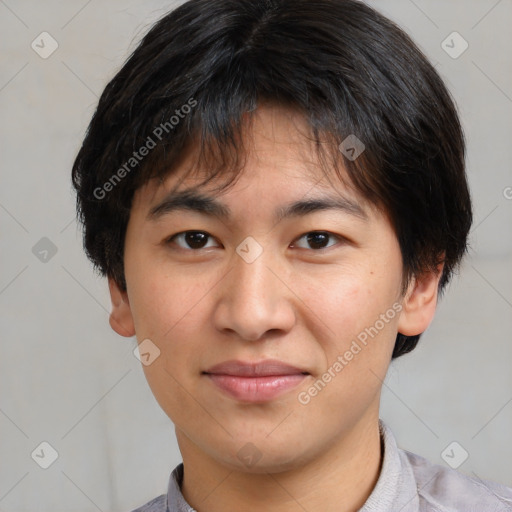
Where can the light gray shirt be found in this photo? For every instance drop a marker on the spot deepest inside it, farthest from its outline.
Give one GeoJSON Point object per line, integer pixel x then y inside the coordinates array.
{"type": "Point", "coordinates": [407, 483]}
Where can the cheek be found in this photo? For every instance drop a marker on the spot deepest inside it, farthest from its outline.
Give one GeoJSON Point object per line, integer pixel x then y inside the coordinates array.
{"type": "Point", "coordinates": [357, 342]}
{"type": "Point", "coordinates": [348, 302]}
{"type": "Point", "coordinates": [171, 311]}
{"type": "Point", "coordinates": [163, 300]}
{"type": "Point", "coordinates": [357, 312]}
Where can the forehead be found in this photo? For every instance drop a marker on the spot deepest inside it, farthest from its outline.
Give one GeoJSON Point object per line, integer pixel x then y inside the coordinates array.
{"type": "Point", "coordinates": [277, 156]}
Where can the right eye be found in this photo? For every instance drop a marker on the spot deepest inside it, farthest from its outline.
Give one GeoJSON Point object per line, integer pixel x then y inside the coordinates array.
{"type": "Point", "coordinates": [191, 240]}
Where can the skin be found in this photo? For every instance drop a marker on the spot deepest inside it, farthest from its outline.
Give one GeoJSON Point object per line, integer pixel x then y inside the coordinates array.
{"type": "Point", "coordinates": [296, 302]}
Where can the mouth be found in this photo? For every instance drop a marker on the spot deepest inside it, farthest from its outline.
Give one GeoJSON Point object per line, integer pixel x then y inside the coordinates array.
{"type": "Point", "coordinates": [255, 382]}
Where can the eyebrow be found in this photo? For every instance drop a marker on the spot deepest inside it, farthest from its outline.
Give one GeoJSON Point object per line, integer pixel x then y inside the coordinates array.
{"type": "Point", "coordinates": [190, 200]}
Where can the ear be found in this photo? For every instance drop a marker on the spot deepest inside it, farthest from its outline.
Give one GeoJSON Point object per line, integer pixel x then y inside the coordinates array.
{"type": "Point", "coordinates": [419, 303]}
{"type": "Point", "coordinates": [121, 319]}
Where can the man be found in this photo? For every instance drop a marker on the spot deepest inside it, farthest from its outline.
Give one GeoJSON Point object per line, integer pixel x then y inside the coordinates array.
{"type": "Point", "coordinates": [276, 193]}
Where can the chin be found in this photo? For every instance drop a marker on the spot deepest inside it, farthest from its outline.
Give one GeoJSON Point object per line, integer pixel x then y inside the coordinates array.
{"type": "Point", "coordinates": [253, 458]}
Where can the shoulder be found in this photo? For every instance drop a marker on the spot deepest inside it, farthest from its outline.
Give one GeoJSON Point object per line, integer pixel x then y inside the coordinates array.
{"type": "Point", "coordinates": [155, 505]}
{"type": "Point", "coordinates": [446, 490]}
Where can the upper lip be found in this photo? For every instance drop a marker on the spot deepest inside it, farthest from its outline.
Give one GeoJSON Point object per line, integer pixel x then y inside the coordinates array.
{"type": "Point", "coordinates": [264, 368]}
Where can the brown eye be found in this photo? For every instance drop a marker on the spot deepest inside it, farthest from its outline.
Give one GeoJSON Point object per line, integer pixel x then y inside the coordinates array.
{"type": "Point", "coordinates": [317, 240]}
{"type": "Point", "coordinates": [194, 240]}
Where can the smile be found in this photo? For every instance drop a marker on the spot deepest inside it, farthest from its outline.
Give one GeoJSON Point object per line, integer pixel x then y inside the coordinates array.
{"type": "Point", "coordinates": [255, 382]}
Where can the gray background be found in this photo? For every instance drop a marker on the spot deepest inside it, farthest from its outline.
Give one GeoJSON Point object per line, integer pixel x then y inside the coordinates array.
{"type": "Point", "coordinates": [67, 379]}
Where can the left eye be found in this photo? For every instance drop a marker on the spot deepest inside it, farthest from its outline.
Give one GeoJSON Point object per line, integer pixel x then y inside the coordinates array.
{"type": "Point", "coordinates": [317, 239]}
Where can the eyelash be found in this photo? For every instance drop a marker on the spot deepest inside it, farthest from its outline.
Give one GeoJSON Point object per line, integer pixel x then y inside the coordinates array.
{"type": "Point", "coordinates": [172, 238]}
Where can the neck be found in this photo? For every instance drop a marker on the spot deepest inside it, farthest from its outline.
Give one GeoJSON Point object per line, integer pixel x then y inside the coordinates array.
{"type": "Point", "coordinates": [339, 479]}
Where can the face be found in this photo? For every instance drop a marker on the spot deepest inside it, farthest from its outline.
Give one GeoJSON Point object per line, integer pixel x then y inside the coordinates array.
{"type": "Point", "coordinates": [247, 277]}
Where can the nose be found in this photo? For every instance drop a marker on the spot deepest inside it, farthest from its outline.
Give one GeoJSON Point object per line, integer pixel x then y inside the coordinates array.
{"type": "Point", "coordinates": [254, 299]}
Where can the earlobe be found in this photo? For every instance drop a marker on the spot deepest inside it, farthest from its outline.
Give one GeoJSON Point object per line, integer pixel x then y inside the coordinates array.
{"type": "Point", "coordinates": [419, 303]}
{"type": "Point", "coordinates": [121, 319]}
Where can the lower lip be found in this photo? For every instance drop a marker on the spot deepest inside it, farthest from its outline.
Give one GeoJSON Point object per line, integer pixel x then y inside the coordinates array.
{"type": "Point", "coordinates": [256, 389]}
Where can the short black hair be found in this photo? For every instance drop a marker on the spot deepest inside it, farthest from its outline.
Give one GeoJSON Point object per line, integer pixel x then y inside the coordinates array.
{"type": "Point", "coordinates": [348, 69]}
